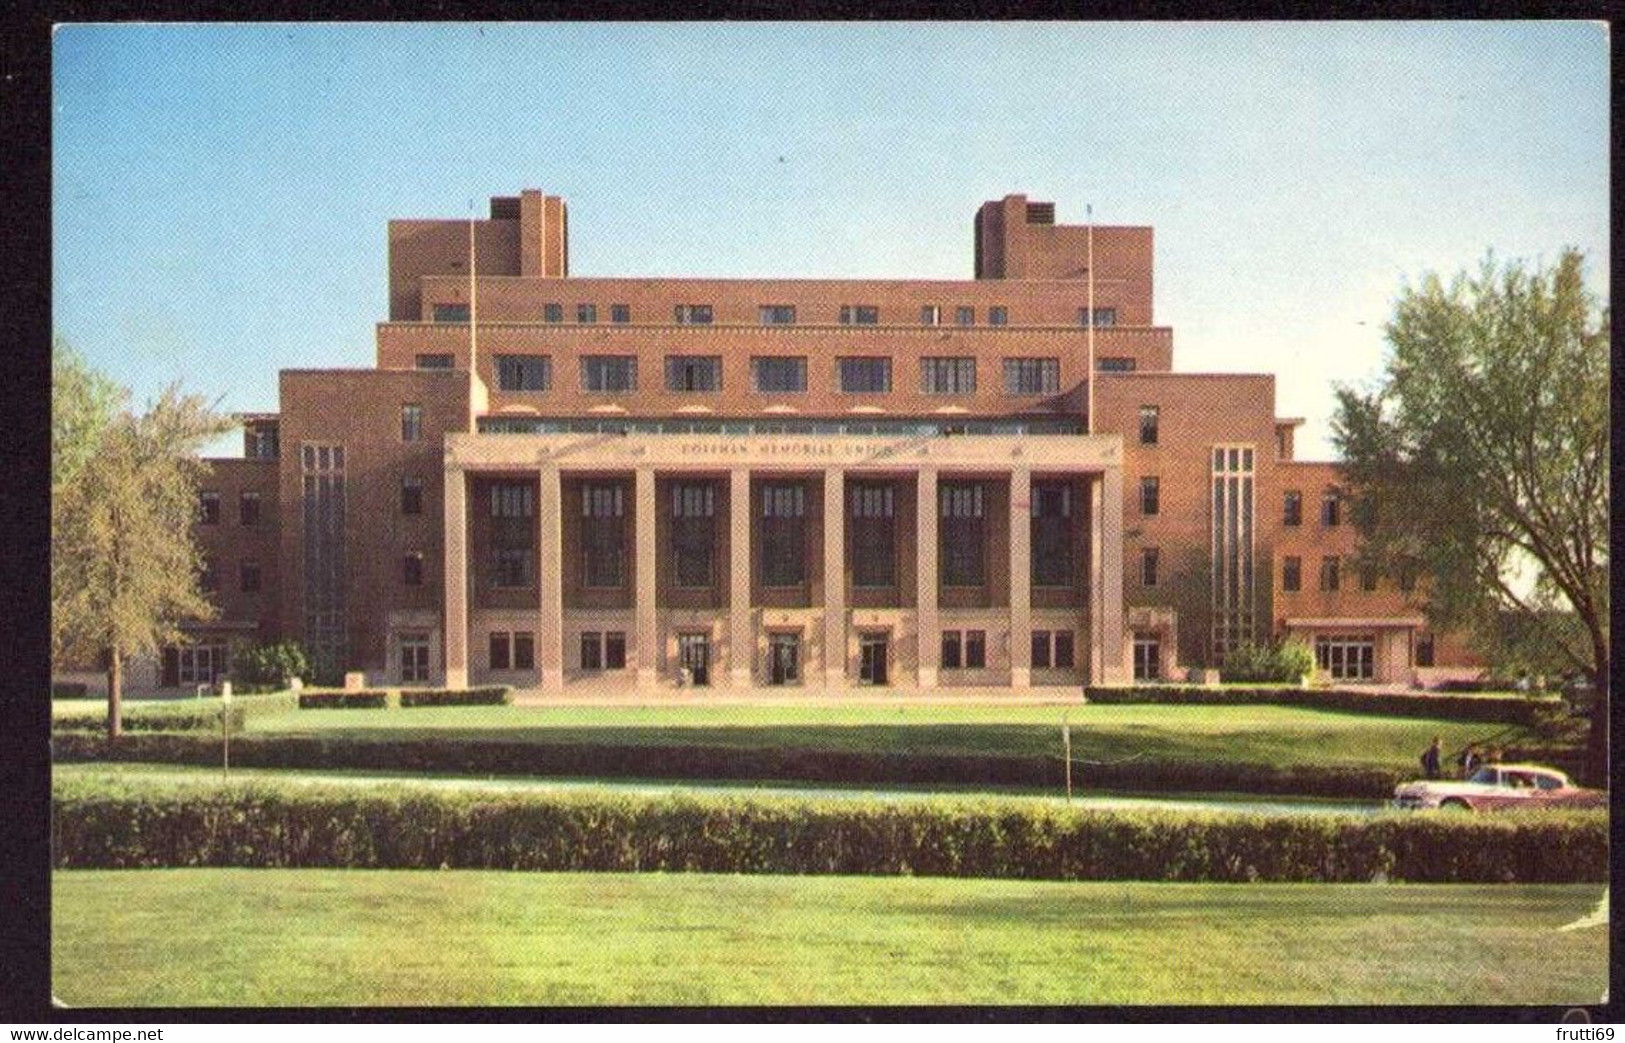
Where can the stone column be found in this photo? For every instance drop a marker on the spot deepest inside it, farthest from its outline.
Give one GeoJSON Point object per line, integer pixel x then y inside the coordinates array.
{"type": "Point", "coordinates": [645, 574]}
{"type": "Point", "coordinates": [925, 577]}
{"type": "Point", "coordinates": [834, 579]}
{"type": "Point", "coordinates": [1097, 604]}
{"type": "Point", "coordinates": [1021, 577]}
{"type": "Point", "coordinates": [741, 633]}
{"type": "Point", "coordinates": [550, 581]}
{"type": "Point", "coordinates": [456, 578]}
{"type": "Point", "coordinates": [1110, 583]}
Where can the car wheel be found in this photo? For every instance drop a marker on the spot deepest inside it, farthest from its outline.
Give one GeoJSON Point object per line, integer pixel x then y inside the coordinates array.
{"type": "Point", "coordinates": [1455, 805]}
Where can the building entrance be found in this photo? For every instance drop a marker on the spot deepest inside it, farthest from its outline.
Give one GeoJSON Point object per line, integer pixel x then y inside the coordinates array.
{"type": "Point", "coordinates": [1347, 658]}
{"type": "Point", "coordinates": [694, 655]}
{"type": "Point", "coordinates": [1147, 658]}
{"type": "Point", "coordinates": [872, 665]}
{"type": "Point", "coordinates": [783, 659]}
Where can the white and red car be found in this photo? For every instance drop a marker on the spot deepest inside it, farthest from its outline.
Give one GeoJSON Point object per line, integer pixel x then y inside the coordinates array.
{"type": "Point", "coordinates": [1496, 786]}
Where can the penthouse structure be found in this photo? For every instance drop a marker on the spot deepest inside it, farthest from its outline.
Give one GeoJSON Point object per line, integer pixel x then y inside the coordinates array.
{"type": "Point", "coordinates": [561, 482]}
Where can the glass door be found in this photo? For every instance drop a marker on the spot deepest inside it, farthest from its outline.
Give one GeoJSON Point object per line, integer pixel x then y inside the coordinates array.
{"type": "Point", "coordinates": [783, 658]}
{"type": "Point", "coordinates": [694, 654]}
{"type": "Point", "coordinates": [872, 665]}
{"type": "Point", "coordinates": [1147, 658]}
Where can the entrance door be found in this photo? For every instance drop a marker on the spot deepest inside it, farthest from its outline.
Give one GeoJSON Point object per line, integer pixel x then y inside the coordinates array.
{"type": "Point", "coordinates": [414, 657]}
{"type": "Point", "coordinates": [783, 659]}
{"type": "Point", "coordinates": [1147, 658]}
{"type": "Point", "coordinates": [872, 665]}
{"type": "Point", "coordinates": [694, 655]}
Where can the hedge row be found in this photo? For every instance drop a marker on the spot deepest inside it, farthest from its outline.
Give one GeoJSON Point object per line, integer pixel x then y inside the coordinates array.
{"type": "Point", "coordinates": [358, 699]}
{"type": "Point", "coordinates": [484, 756]}
{"type": "Point", "coordinates": [69, 690]}
{"type": "Point", "coordinates": [1495, 709]}
{"type": "Point", "coordinates": [492, 695]}
{"type": "Point", "coordinates": [261, 825]}
{"type": "Point", "coordinates": [180, 715]}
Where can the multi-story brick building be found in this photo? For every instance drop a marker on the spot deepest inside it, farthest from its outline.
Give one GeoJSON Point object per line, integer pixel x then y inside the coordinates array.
{"type": "Point", "coordinates": [550, 480]}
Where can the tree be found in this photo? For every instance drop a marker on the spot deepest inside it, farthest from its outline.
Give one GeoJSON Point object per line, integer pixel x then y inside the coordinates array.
{"type": "Point", "coordinates": [1482, 455]}
{"type": "Point", "coordinates": [124, 568]}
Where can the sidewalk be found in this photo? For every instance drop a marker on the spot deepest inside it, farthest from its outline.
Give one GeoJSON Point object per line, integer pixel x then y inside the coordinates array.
{"type": "Point", "coordinates": [665, 698]}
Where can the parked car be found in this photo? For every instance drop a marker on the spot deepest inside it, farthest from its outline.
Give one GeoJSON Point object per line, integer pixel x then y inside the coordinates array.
{"type": "Point", "coordinates": [1497, 786]}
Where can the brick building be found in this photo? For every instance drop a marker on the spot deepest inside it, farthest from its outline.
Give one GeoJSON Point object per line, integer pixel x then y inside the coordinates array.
{"type": "Point", "coordinates": [556, 481]}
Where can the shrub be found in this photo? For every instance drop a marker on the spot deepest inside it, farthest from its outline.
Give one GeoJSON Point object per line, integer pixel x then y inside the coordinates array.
{"type": "Point", "coordinates": [142, 824]}
{"type": "Point", "coordinates": [69, 690]}
{"type": "Point", "coordinates": [494, 756]}
{"type": "Point", "coordinates": [494, 695]}
{"type": "Point", "coordinates": [181, 715]}
{"type": "Point", "coordinates": [1286, 662]}
{"type": "Point", "coordinates": [1495, 709]}
{"type": "Point", "coordinates": [360, 699]}
{"type": "Point", "coordinates": [271, 665]}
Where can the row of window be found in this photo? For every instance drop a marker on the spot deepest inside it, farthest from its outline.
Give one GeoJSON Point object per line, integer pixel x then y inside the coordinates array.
{"type": "Point", "coordinates": [1331, 508]}
{"type": "Point", "coordinates": [855, 375]}
{"type": "Point", "coordinates": [248, 577]}
{"type": "Point", "coordinates": [586, 314]}
{"type": "Point", "coordinates": [248, 508]}
{"type": "Point", "coordinates": [1331, 575]}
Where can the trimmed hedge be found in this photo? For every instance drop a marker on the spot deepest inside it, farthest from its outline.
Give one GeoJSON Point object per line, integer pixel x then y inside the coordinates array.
{"type": "Point", "coordinates": [489, 756]}
{"type": "Point", "coordinates": [265, 825]}
{"type": "Point", "coordinates": [493, 695]}
{"type": "Point", "coordinates": [180, 715]}
{"type": "Point", "coordinates": [361, 699]}
{"type": "Point", "coordinates": [69, 690]}
{"type": "Point", "coordinates": [1493, 709]}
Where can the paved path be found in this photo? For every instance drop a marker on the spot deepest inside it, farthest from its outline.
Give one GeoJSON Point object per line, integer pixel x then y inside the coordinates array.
{"type": "Point", "coordinates": [665, 698]}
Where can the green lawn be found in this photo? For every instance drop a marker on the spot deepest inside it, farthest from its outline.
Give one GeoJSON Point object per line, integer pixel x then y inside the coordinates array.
{"type": "Point", "coordinates": [201, 937]}
{"type": "Point", "coordinates": [1274, 735]}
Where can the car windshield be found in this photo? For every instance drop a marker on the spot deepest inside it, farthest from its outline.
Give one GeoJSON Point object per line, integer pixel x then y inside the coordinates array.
{"type": "Point", "coordinates": [1487, 776]}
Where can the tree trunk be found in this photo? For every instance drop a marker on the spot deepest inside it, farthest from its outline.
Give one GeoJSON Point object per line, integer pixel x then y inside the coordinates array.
{"type": "Point", "coordinates": [115, 694]}
{"type": "Point", "coordinates": [1597, 739]}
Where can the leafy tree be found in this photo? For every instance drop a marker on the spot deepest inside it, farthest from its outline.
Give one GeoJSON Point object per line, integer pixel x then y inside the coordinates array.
{"type": "Point", "coordinates": [271, 665]}
{"type": "Point", "coordinates": [1482, 453]}
{"type": "Point", "coordinates": [124, 569]}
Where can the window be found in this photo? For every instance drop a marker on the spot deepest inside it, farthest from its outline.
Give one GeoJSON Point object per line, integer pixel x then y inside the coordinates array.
{"type": "Point", "coordinates": [451, 313]}
{"type": "Point", "coordinates": [524, 372]}
{"type": "Point", "coordinates": [1407, 578]}
{"type": "Point", "coordinates": [513, 500]}
{"type": "Point", "coordinates": [501, 644]}
{"type": "Point", "coordinates": [1291, 572]}
{"type": "Point", "coordinates": [1424, 650]}
{"type": "Point", "coordinates": [859, 315]}
{"type": "Point", "coordinates": [1051, 534]}
{"type": "Point", "coordinates": [772, 375]}
{"type": "Point", "coordinates": [248, 577]}
{"type": "Point", "coordinates": [962, 533]}
{"type": "Point", "coordinates": [693, 532]}
{"type": "Point", "coordinates": [248, 509]}
{"type": "Point", "coordinates": [592, 650]}
{"type": "Point", "coordinates": [1150, 558]}
{"type": "Point", "coordinates": [964, 316]}
{"type": "Point", "coordinates": [1346, 658]}
{"type": "Point", "coordinates": [1368, 578]}
{"type": "Point", "coordinates": [871, 506]}
{"type": "Point", "coordinates": [1040, 643]}
{"type": "Point", "coordinates": [865, 376]}
{"type": "Point", "coordinates": [930, 315]}
{"type": "Point", "coordinates": [1328, 573]}
{"type": "Point", "coordinates": [1292, 508]}
{"type": "Point", "coordinates": [513, 567]}
{"type": "Point", "coordinates": [524, 650]}
{"type": "Point", "coordinates": [603, 534]}
{"type": "Point", "coordinates": [1062, 659]}
{"type": "Point", "coordinates": [586, 313]}
{"type": "Point", "coordinates": [950, 650]}
{"type": "Point", "coordinates": [1149, 415]}
{"type": "Point", "coordinates": [552, 313]}
{"type": "Point", "coordinates": [1150, 495]}
{"type": "Point", "coordinates": [693, 373]}
{"type": "Point", "coordinates": [208, 508]}
{"type": "Point", "coordinates": [412, 570]}
{"type": "Point", "coordinates": [778, 314]}
{"type": "Point", "coordinates": [784, 507]}
{"type": "Point", "coordinates": [615, 650]}
{"type": "Point", "coordinates": [260, 442]}
{"type": "Point", "coordinates": [998, 315]}
{"type": "Point", "coordinates": [609, 373]}
{"type": "Point", "coordinates": [1114, 364]}
{"type": "Point", "coordinates": [1032, 376]}
{"type": "Point", "coordinates": [948, 376]}
{"type": "Point", "coordinates": [693, 315]}
{"type": "Point", "coordinates": [411, 496]}
{"type": "Point", "coordinates": [1103, 317]}
{"type": "Point", "coordinates": [411, 423]}
{"type": "Point", "coordinates": [975, 649]}
{"type": "Point", "coordinates": [434, 362]}
{"type": "Point", "coordinates": [621, 314]}
{"type": "Point", "coordinates": [194, 664]}
{"type": "Point", "coordinates": [1233, 587]}
{"type": "Point", "coordinates": [1331, 509]}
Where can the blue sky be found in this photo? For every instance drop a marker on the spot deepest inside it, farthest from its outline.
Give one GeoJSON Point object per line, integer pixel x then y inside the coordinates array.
{"type": "Point", "coordinates": [221, 192]}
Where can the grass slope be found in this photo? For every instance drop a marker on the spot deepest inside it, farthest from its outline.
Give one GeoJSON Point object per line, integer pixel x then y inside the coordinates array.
{"type": "Point", "coordinates": [269, 937]}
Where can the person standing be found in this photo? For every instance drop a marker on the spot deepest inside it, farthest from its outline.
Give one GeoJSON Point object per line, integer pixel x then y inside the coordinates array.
{"type": "Point", "coordinates": [1430, 759]}
{"type": "Point", "coordinates": [1468, 761]}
